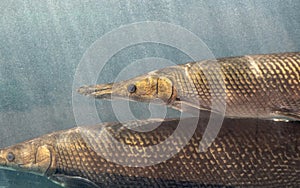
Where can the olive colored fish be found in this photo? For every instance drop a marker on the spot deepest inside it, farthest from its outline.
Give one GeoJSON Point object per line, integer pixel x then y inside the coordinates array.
{"type": "Point", "coordinates": [251, 86]}
{"type": "Point", "coordinates": [246, 152]}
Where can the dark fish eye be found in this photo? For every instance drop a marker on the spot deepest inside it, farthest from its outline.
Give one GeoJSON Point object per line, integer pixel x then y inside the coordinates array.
{"type": "Point", "coordinates": [131, 88]}
{"type": "Point", "coordinates": [10, 157]}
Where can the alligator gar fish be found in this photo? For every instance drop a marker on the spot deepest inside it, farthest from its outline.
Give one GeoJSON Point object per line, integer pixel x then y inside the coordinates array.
{"type": "Point", "coordinates": [267, 155]}
{"type": "Point", "coordinates": [252, 86]}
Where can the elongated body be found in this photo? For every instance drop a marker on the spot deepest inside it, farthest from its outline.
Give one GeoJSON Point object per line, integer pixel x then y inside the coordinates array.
{"type": "Point", "coordinates": [245, 153]}
{"type": "Point", "coordinates": [263, 86]}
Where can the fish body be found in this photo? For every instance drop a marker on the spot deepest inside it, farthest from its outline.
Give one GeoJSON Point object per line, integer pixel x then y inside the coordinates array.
{"type": "Point", "coordinates": [254, 153]}
{"type": "Point", "coordinates": [252, 86]}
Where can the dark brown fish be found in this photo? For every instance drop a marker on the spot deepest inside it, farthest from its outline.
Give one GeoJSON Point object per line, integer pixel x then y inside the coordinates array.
{"type": "Point", "coordinates": [254, 153]}
{"type": "Point", "coordinates": [251, 86]}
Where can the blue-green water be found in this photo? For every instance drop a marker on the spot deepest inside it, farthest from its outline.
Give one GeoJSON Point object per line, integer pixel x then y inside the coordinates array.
{"type": "Point", "coordinates": [42, 43]}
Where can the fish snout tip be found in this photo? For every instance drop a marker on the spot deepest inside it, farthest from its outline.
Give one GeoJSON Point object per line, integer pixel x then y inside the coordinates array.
{"type": "Point", "coordinates": [97, 91]}
{"type": "Point", "coordinates": [86, 90]}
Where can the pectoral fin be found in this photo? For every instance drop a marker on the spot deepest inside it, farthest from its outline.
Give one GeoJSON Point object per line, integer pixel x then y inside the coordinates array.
{"type": "Point", "coordinates": [73, 181]}
{"type": "Point", "coordinates": [286, 116]}
{"type": "Point", "coordinates": [193, 109]}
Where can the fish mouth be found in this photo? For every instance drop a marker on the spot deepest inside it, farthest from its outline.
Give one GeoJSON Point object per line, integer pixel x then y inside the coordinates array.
{"type": "Point", "coordinates": [100, 91]}
{"type": "Point", "coordinates": [3, 164]}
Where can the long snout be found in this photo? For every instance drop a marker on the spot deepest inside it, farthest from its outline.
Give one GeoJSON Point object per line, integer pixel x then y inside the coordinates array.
{"type": "Point", "coordinates": [101, 91]}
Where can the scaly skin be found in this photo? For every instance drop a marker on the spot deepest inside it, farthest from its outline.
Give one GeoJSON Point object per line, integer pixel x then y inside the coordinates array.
{"type": "Point", "coordinates": [254, 153]}
{"type": "Point", "coordinates": [252, 86]}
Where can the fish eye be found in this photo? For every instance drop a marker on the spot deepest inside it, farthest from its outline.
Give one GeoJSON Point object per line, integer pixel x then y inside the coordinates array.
{"type": "Point", "coordinates": [131, 88]}
{"type": "Point", "coordinates": [10, 157]}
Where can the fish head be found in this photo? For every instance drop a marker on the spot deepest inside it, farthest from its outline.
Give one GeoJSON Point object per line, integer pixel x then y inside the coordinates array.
{"type": "Point", "coordinates": [31, 156]}
{"type": "Point", "coordinates": [145, 88]}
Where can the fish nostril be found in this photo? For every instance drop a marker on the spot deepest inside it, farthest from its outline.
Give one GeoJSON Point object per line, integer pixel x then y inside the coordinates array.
{"type": "Point", "coordinates": [10, 157]}
{"type": "Point", "coordinates": [131, 88]}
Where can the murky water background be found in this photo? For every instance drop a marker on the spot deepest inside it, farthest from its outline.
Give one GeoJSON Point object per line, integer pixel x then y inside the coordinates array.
{"type": "Point", "coordinates": [42, 43]}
